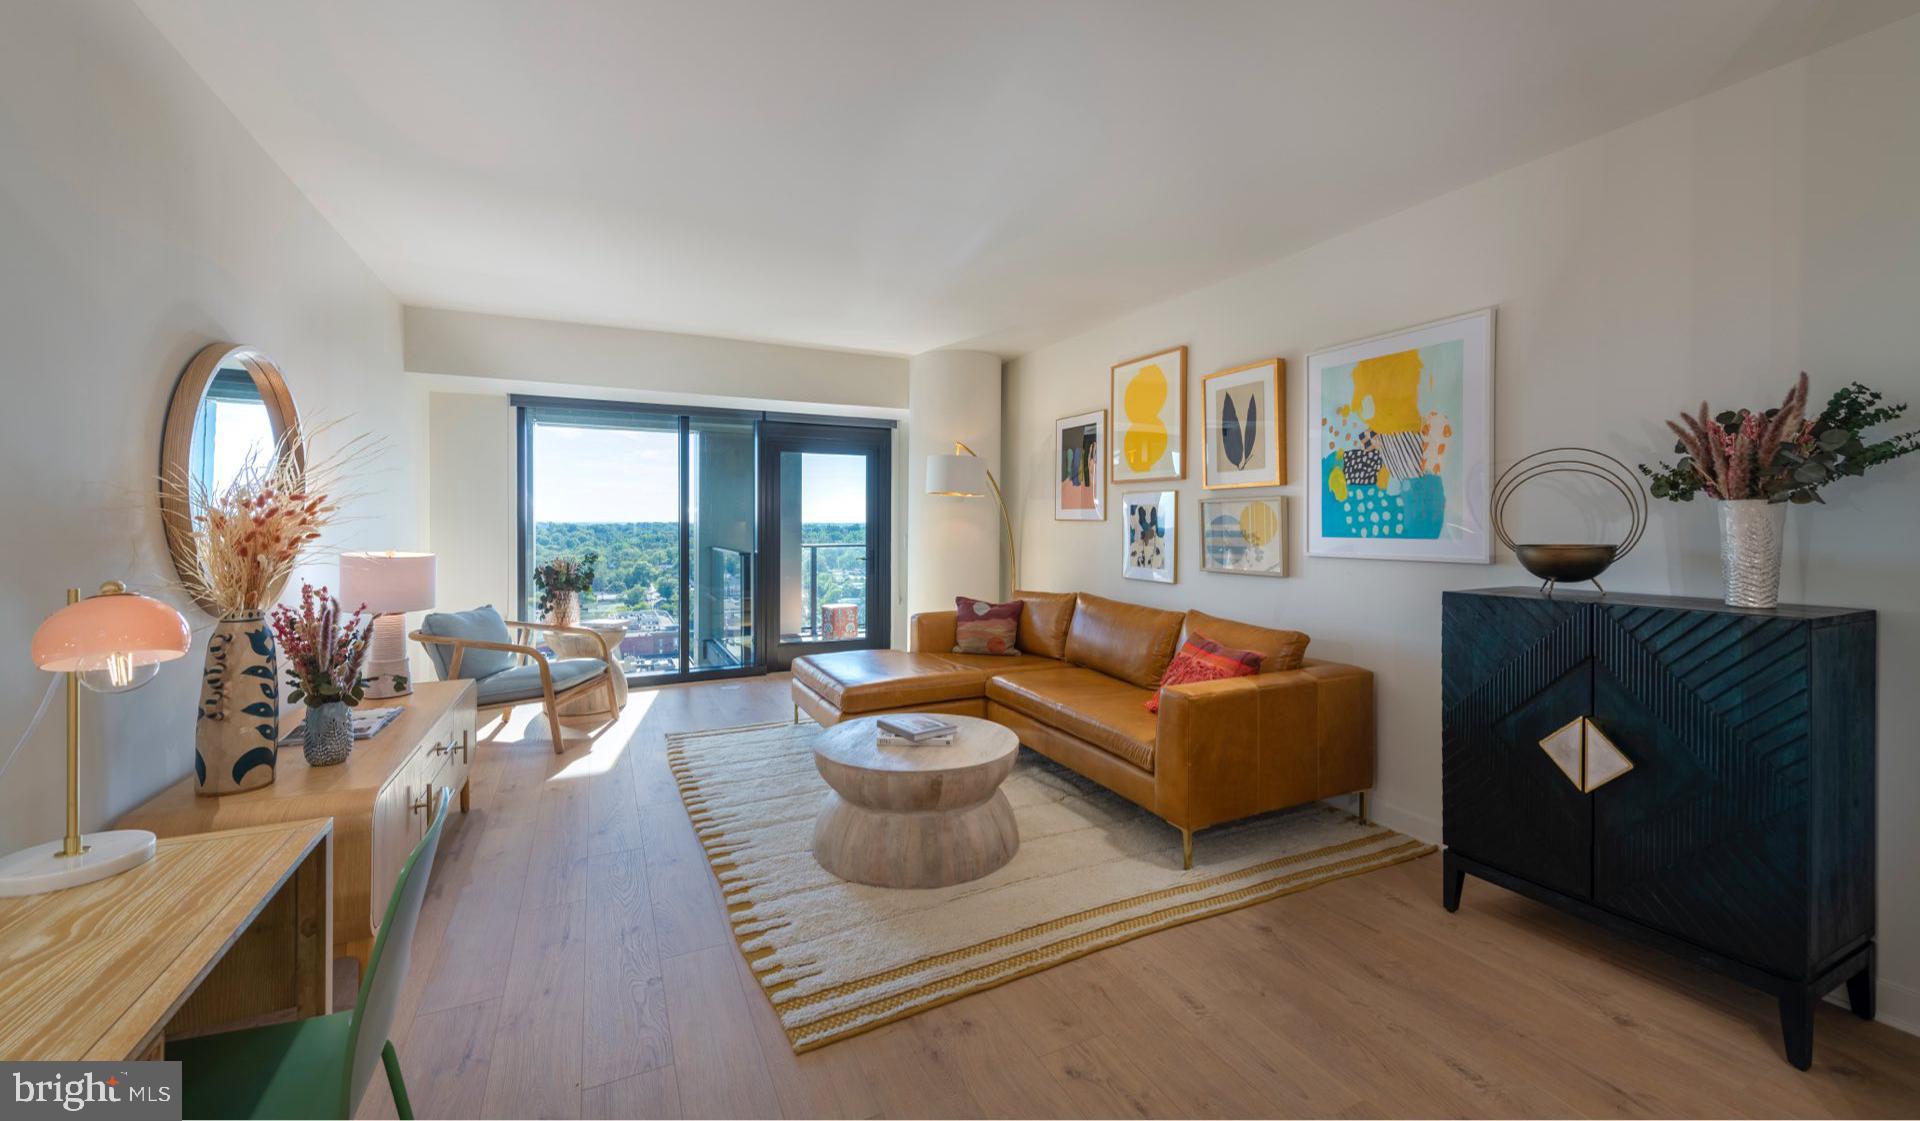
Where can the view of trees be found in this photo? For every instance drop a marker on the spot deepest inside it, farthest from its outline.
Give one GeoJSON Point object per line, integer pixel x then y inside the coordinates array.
{"type": "Point", "coordinates": [640, 562]}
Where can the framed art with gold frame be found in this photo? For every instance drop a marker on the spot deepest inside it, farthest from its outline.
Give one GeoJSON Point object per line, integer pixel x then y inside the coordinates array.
{"type": "Point", "coordinates": [1150, 417]}
{"type": "Point", "coordinates": [1244, 535]}
{"type": "Point", "coordinates": [1243, 435]}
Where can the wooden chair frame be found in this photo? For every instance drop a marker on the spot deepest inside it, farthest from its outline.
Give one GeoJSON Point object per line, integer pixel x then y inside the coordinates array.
{"type": "Point", "coordinates": [529, 653]}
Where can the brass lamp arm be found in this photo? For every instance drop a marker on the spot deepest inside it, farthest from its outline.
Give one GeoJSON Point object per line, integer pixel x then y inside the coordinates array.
{"type": "Point", "coordinates": [1006, 523]}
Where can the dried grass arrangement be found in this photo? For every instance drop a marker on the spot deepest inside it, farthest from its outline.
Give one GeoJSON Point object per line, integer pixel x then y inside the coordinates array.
{"type": "Point", "coordinates": [247, 538]}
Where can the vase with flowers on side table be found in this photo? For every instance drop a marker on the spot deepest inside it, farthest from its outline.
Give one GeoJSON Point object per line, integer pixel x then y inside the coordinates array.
{"type": "Point", "coordinates": [1753, 464]}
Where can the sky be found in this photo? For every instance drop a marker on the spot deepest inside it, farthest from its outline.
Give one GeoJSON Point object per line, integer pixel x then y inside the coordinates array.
{"type": "Point", "coordinates": [627, 475]}
{"type": "Point", "coordinates": [240, 430]}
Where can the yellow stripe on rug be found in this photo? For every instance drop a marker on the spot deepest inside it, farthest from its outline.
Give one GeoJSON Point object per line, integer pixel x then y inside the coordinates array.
{"type": "Point", "coordinates": [1093, 870]}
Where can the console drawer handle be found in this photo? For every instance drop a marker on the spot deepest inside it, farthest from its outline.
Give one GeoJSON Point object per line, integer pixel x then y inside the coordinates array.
{"type": "Point", "coordinates": [424, 803]}
{"type": "Point", "coordinates": [1585, 755]}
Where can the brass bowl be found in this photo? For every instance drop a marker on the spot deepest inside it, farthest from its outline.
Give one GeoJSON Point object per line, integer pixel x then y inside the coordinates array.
{"type": "Point", "coordinates": [1565, 564]}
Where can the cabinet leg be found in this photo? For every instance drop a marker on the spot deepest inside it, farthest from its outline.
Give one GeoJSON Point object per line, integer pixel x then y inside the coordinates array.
{"type": "Point", "coordinates": [466, 792]}
{"type": "Point", "coordinates": [1796, 1026]}
{"type": "Point", "coordinates": [1452, 879]}
{"type": "Point", "coordinates": [1860, 988]}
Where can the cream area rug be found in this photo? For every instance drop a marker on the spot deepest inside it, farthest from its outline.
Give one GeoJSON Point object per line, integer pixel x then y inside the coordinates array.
{"type": "Point", "coordinates": [1093, 870]}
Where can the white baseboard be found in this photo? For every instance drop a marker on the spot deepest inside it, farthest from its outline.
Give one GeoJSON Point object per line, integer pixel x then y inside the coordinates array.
{"type": "Point", "coordinates": [1418, 826]}
{"type": "Point", "coordinates": [1894, 1004]}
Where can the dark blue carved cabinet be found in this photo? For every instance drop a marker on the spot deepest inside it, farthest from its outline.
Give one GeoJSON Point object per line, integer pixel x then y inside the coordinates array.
{"type": "Point", "coordinates": [1741, 834]}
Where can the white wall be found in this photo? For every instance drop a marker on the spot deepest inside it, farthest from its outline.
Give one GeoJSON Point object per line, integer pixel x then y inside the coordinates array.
{"type": "Point", "coordinates": [1712, 251]}
{"type": "Point", "coordinates": [503, 348]}
{"type": "Point", "coordinates": [955, 546]}
{"type": "Point", "coordinates": [139, 222]}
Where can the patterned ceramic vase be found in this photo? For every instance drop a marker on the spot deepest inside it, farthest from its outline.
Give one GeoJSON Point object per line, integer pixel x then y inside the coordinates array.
{"type": "Point", "coordinates": [233, 740]}
{"type": "Point", "coordinates": [329, 734]}
{"type": "Point", "coordinates": [1751, 533]}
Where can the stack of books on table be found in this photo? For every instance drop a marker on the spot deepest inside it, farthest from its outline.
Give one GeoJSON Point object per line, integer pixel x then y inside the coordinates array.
{"type": "Point", "coordinates": [914, 729]}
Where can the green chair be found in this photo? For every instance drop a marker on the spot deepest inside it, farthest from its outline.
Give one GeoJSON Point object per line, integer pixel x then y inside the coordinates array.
{"type": "Point", "coordinates": [317, 1067]}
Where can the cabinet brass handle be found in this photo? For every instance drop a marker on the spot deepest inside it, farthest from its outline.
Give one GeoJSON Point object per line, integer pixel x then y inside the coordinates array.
{"type": "Point", "coordinates": [424, 803]}
{"type": "Point", "coordinates": [461, 747]}
{"type": "Point", "coordinates": [1585, 755]}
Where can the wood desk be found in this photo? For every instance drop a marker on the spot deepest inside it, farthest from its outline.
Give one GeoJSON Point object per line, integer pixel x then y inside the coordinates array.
{"type": "Point", "coordinates": [217, 928]}
{"type": "Point", "coordinates": [378, 799]}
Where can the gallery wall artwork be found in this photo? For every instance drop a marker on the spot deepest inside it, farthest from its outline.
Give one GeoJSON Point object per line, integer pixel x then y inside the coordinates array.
{"type": "Point", "coordinates": [1402, 430]}
{"type": "Point", "coordinates": [1244, 434]}
{"type": "Point", "coordinates": [1149, 535]}
{"type": "Point", "coordinates": [1150, 417]}
{"type": "Point", "coordinates": [1244, 535]}
{"type": "Point", "coordinates": [1080, 467]}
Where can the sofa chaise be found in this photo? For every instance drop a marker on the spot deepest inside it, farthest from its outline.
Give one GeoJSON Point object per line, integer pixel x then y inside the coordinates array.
{"type": "Point", "coordinates": [1298, 731]}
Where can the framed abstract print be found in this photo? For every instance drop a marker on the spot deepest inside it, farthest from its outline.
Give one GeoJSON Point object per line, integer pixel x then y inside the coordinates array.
{"type": "Point", "coordinates": [1244, 535]}
{"type": "Point", "coordinates": [1150, 418]}
{"type": "Point", "coordinates": [1403, 444]}
{"type": "Point", "coordinates": [1244, 431]}
{"type": "Point", "coordinates": [1080, 467]}
{"type": "Point", "coordinates": [1148, 535]}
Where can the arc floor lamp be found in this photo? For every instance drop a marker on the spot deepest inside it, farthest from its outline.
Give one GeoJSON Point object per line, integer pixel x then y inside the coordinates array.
{"type": "Point", "coordinates": [963, 474]}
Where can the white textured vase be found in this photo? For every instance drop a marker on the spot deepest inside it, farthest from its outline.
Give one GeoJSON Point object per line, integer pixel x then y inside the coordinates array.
{"type": "Point", "coordinates": [1752, 531]}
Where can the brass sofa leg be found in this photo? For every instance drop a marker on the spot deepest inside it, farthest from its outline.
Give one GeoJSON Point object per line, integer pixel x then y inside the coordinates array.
{"type": "Point", "coordinates": [1362, 812]}
{"type": "Point", "coordinates": [1186, 849]}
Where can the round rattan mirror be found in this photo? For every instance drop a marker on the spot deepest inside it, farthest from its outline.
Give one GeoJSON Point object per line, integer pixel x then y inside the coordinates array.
{"type": "Point", "coordinates": [231, 408]}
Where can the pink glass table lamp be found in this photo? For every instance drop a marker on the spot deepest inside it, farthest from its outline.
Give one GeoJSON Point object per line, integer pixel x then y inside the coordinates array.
{"type": "Point", "coordinates": [109, 642]}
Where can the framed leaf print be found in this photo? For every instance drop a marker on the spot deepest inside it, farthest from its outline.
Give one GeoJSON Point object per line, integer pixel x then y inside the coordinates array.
{"type": "Point", "coordinates": [1244, 535]}
{"type": "Point", "coordinates": [1080, 467]}
{"type": "Point", "coordinates": [1148, 536]}
{"type": "Point", "coordinates": [1402, 429]}
{"type": "Point", "coordinates": [1150, 418]}
{"type": "Point", "coordinates": [1245, 438]}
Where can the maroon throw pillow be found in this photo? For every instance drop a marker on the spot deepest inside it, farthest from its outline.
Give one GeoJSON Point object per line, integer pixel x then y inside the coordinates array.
{"type": "Point", "coordinates": [1203, 659]}
{"type": "Point", "coordinates": [980, 627]}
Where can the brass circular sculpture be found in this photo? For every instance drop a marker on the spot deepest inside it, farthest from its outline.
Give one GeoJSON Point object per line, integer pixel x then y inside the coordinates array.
{"type": "Point", "coordinates": [1558, 564]}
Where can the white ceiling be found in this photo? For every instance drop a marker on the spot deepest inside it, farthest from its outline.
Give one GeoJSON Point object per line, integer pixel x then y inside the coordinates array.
{"type": "Point", "coordinates": [899, 176]}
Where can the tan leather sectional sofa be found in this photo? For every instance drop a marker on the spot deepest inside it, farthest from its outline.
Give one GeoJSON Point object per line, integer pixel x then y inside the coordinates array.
{"type": "Point", "coordinates": [1300, 730]}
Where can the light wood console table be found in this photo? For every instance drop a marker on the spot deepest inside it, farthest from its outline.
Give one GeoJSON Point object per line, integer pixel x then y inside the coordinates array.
{"type": "Point", "coordinates": [378, 799]}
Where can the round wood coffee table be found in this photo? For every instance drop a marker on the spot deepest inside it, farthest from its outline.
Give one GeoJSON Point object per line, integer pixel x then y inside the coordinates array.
{"type": "Point", "coordinates": [915, 816]}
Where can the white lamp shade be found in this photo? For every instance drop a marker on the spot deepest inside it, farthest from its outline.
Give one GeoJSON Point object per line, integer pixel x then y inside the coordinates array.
{"type": "Point", "coordinates": [387, 582]}
{"type": "Point", "coordinates": [964, 476]}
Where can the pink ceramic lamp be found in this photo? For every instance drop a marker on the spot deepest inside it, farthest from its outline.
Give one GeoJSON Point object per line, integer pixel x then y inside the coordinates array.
{"type": "Point", "coordinates": [110, 642]}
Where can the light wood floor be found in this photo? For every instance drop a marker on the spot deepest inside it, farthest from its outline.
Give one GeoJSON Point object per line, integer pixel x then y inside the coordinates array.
{"type": "Point", "coordinates": [572, 960]}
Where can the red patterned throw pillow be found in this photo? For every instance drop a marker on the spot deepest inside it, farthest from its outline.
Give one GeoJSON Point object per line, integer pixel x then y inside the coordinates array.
{"type": "Point", "coordinates": [1203, 659]}
{"type": "Point", "coordinates": [980, 627]}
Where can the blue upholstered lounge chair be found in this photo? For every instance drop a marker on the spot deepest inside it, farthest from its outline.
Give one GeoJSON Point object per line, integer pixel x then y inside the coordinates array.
{"type": "Point", "coordinates": [510, 670]}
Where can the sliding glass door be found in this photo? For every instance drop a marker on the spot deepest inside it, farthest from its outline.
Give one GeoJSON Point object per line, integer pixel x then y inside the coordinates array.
{"type": "Point", "coordinates": [825, 508]}
{"type": "Point", "coordinates": [688, 514]}
{"type": "Point", "coordinates": [664, 504]}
